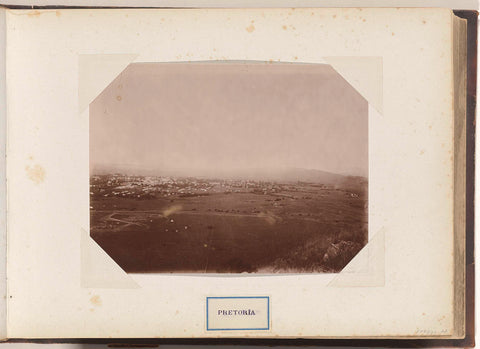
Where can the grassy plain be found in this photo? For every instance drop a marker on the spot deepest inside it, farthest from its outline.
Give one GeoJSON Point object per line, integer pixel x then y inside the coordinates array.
{"type": "Point", "coordinates": [311, 228]}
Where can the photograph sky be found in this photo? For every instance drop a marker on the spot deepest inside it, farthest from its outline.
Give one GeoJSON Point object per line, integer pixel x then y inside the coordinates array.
{"type": "Point", "coordinates": [206, 117]}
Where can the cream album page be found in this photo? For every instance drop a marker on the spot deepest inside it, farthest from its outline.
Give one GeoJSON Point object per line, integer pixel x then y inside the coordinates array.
{"type": "Point", "coordinates": [230, 173]}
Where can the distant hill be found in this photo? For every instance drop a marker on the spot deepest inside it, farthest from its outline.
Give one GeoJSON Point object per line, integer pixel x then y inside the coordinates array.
{"type": "Point", "coordinates": [258, 174]}
{"type": "Point", "coordinates": [290, 175]}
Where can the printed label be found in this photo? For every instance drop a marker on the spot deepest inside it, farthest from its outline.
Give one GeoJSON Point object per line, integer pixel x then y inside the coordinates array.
{"type": "Point", "coordinates": [238, 313]}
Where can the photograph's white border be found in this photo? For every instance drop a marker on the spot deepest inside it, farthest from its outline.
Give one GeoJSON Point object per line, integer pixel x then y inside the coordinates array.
{"type": "Point", "coordinates": [366, 269]}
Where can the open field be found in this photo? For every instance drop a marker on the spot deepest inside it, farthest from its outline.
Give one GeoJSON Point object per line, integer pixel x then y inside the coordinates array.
{"type": "Point", "coordinates": [228, 226]}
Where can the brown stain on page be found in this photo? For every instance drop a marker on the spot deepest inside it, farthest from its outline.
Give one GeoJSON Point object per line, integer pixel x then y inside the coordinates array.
{"type": "Point", "coordinates": [37, 13]}
{"type": "Point", "coordinates": [35, 173]}
{"type": "Point", "coordinates": [34, 13]}
{"type": "Point", "coordinates": [250, 28]}
{"type": "Point", "coordinates": [95, 300]}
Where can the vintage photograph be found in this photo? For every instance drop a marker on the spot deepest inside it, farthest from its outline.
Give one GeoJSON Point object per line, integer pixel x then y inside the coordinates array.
{"type": "Point", "coordinates": [229, 167]}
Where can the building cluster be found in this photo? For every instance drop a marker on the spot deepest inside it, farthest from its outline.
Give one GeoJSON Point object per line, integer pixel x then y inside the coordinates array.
{"type": "Point", "coordinates": [147, 187]}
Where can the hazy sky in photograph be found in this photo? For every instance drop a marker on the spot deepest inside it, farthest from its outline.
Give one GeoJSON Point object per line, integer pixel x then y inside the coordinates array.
{"type": "Point", "coordinates": [197, 117]}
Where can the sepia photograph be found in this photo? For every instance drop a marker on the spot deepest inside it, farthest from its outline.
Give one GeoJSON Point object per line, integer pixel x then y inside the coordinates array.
{"type": "Point", "coordinates": [229, 167]}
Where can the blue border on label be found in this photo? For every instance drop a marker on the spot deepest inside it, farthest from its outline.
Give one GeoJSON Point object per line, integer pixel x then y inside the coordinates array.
{"type": "Point", "coordinates": [243, 329]}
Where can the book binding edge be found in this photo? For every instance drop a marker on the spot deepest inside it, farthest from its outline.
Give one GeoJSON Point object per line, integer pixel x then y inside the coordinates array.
{"type": "Point", "coordinates": [3, 178]}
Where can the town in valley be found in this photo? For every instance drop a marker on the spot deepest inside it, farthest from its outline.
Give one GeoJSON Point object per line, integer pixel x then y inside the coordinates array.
{"type": "Point", "coordinates": [213, 225]}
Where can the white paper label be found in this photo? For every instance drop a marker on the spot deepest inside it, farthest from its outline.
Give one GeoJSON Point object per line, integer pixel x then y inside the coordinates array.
{"type": "Point", "coordinates": [238, 313]}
